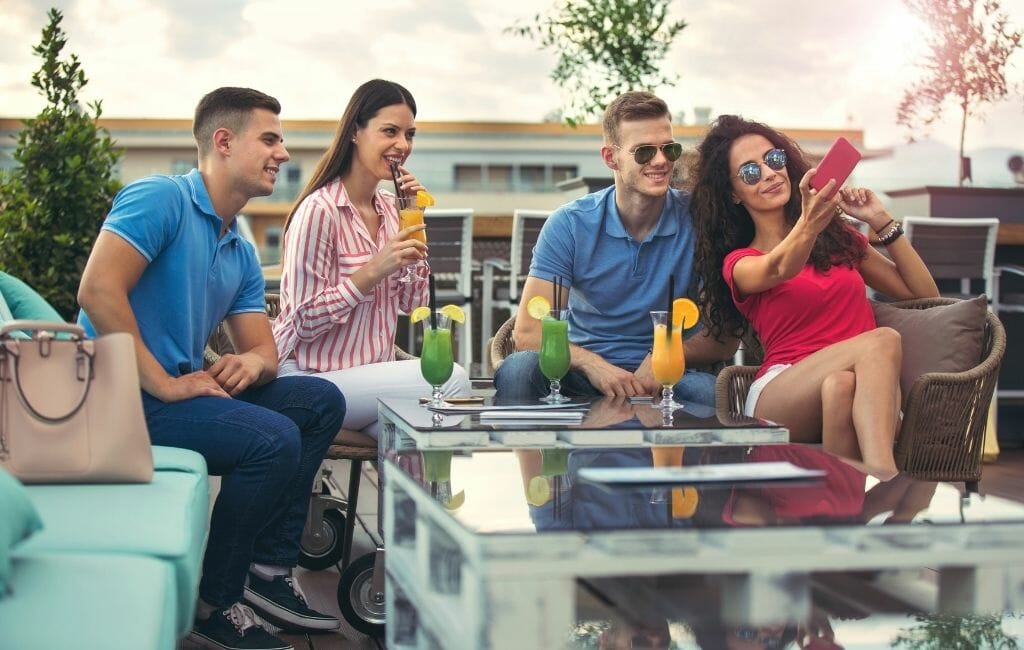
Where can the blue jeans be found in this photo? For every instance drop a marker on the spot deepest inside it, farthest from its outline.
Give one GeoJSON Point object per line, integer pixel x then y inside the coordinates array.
{"type": "Point", "coordinates": [267, 443]}
{"type": "Point", "coordinates": [519, 378]}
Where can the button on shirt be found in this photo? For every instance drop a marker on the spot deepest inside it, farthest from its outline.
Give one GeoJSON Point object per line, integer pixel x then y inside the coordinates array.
{"type": "Point", "coordinates": [326, 322]}
{"type": "Point", "coordinates": [615, 280]}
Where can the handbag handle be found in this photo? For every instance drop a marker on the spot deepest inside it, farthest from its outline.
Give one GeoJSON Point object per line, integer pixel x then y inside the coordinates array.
{"type": "Point", "coordinates": [42, 329]}
{"type": "Point", "coordinates": [76, 331]}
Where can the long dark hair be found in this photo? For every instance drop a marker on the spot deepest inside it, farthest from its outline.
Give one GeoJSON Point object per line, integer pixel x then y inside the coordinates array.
{"type": "Point", "coordinates": [366, 101]}
{"type": "Point", "coordinates": [724, 225]}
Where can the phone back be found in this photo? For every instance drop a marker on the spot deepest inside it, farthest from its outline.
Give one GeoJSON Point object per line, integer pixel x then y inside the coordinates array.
{"type": "Point", "coordinates": [838, 163]}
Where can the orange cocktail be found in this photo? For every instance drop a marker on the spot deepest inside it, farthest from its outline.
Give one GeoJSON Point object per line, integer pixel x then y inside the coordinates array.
{"type": "Point", "coordinates": [667, 360]}
{"type": "Point", "coordinates": [412, 216]}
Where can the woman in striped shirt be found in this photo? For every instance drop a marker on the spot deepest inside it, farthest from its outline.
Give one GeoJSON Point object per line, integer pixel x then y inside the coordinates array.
{"type": "Point", "coordinates": [343, 255]}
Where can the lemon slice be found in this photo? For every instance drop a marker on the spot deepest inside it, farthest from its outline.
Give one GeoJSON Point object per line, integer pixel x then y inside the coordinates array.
{"type": "Point", "coordinates": [424, 199]}
{"type": "Point", "coordinates": [419, 314]}
{"type": "Point", "coordinates": [456, 501]}
{"type": "Point", "coordinates": [684, 502]}
{"type": "Point", "coordinates": [538, 307]}
{"type": "Point", "coordinates": [684, 313]}
{"type": "Point", "coordinates": [453, 312]}
{"type": "Point", "coordinates": [538, 491]}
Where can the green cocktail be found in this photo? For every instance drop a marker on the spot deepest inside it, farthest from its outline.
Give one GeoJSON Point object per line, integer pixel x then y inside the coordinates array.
{"type": "Point", "coordinates": [554, 352]}
{"type": "Point", "coordinates": [436, 356]}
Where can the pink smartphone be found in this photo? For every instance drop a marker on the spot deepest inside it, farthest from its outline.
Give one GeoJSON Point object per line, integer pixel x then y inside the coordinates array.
{"type": "Point", "coordinates": [838, 163]}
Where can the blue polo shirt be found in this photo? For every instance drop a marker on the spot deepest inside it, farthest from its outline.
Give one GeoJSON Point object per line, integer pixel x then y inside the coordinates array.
{"type": "Point", "coordinates": [193, 279]}
{"type": "Point", "coordinates": [616, 281]}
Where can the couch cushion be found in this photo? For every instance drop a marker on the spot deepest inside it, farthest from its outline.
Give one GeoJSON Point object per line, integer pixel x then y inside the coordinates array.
{"type": "Point", "coordinates": [18, 520]}
{"type": "Point", "coordinates": [166, 519]}
{"type": "Point", "coordinates": [946, 338]}
{"type": "Point", "coordinates": [89, 601]}
{"type": "Point", "coordinates": [23, 301]}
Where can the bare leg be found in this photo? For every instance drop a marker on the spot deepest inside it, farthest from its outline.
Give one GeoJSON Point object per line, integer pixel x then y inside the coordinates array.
{"type": "Point", "coordinates": [838, 435]}
{"type": "Point", "coordinates": [795, 397]}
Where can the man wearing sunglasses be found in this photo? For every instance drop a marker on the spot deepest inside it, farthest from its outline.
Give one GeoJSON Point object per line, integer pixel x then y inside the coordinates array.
{"type": "Point", "coordinates": [615, 251]}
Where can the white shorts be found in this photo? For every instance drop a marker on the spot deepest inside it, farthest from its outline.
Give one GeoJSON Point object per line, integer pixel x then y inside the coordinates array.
{"type": "Point", "coordinates": [759, 384]}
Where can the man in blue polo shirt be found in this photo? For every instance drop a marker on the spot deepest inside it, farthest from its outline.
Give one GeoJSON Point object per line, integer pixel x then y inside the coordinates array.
{"type": "Point", "coordinates": [167, 267]}
{"type": "Point", "coordinates": [615, 250]}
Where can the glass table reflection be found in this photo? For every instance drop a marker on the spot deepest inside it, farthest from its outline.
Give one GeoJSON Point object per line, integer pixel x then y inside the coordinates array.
{"type": "Point", "coordinates": [494, 546]}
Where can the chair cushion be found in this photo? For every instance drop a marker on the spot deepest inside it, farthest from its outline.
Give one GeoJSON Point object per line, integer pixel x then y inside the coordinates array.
{"type": "Point", "coordinates": [165, 519]}
{"type": "Point", "coordinates": [88, 601]}
{"type": "Point", "coordinates": [946, 338]}
{"type": "Point", "coordinates": [18, 521]}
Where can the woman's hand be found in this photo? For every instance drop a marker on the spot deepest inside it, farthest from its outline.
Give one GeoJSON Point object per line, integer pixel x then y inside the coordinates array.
{"type": "Point", "coordinates": [399, 252]}
{"type": "Point", "coordinates": [818, 211]}
{"type": "Point", "coordinates": [408, 183]}
{"type": "Point", "coordinates": [863, 205]}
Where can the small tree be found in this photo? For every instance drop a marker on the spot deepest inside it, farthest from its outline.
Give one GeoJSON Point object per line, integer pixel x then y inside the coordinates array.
{"type": "Point", "coordinates": [969, 44]}
{"type": "Point", "coordinates": [605, 47]}
{"type": "Point", "coordinates": [52, 204]}
{"type": "Point", "coordinates": [944, 632]}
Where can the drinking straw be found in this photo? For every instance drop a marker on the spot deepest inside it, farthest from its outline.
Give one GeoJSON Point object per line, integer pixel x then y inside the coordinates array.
{"type": "Point", "coordinates": [671, 292]}
{"type": "Point", "coordinates": [395, 175]}
{"type": "Point", "coordinates": [555, 295]}
{"type": "Point", "coordinates": [433, 303]}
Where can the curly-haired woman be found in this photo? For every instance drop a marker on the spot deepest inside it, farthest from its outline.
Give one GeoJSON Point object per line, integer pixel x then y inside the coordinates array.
{"type": "Point", "coordinates": [780, 258]}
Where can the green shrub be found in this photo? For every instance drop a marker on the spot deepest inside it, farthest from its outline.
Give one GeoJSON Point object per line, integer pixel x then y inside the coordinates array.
{"type": "Point", "coordinates": [53, 203]}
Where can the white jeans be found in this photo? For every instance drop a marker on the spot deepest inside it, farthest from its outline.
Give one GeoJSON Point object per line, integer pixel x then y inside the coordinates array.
{"type": "Point", "coordinates": [362, 385]}
{"type": "Point", "coordinates": [755, 388]}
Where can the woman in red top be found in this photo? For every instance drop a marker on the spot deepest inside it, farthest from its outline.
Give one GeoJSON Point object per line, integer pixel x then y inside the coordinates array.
{"type": "Point", "coordinates": [779, 257]}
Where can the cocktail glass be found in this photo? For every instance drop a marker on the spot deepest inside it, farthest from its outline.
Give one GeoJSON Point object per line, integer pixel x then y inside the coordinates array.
{"type": "Point", "coordinates": [436, 356]}
{"type": "Point", "coordinates": [667, 359]}
{"type": "Point", "coordinates": [554, 352]}
{"type": "Point", "coordinates": [410, 214]}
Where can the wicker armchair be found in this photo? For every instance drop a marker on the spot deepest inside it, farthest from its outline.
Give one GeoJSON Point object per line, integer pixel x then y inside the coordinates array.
{"type": "Point", "coordinates": [944, 415]}
{"type": "Point", "coordinates": [502, 344]}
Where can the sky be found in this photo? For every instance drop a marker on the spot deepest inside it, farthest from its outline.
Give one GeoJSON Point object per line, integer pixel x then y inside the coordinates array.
{"type": "Point", "coordinates": [790, 63]}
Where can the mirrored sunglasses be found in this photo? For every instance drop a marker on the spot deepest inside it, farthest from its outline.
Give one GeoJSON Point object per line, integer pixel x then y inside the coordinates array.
{"type": "Point", "coordinates": [751, 634]}
{"type": "Point", "coordinates": [645, 153]}
{"type": "Point", "coordinates": [750, 173]}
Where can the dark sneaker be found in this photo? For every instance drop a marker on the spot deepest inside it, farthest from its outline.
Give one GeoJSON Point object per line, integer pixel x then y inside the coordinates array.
{"type": "Point", "coordinates": [281, 602]}
{"type": "Point", "coordinates": [234, 628]}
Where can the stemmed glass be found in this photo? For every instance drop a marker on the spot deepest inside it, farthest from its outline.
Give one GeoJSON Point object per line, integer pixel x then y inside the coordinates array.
{"type": "Point", "coordinates": [436, 356]}
{"type": "Point", "coordinates": [410, 214]}
{"type": "Point", "coordinates": [554, 352]}
{"type": "Point", "coordinates": [667, 359]}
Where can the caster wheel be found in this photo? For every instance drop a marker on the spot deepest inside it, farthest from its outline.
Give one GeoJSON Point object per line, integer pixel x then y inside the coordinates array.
{"type": "Point", "coordinates": [324, 552]}
{"type": "Point", "coordinates": [356, 599]}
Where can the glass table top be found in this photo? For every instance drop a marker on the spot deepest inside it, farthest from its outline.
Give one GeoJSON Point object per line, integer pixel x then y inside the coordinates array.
{"type": "Point", "coordinates": [529, 491]}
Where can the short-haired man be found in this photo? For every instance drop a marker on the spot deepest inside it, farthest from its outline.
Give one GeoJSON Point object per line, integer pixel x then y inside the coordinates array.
{"type": "Point", "coordinates": [615, 249]}
{"type": "Point", "coordinates": [167, 267]}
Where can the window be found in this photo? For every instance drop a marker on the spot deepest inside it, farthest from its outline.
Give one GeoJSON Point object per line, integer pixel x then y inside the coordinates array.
{"type": "Point", "coordinates": [532, 177]}
{"type": "Point", "coordinates": [499, 177]}
{"type": "Point", "coordinates": [271, 253]}
{"type": "Point", "coordinates": [561, 173]}
{"type": "Point", "coordinates": [292, 173]}
{"type": "Point", "coordinates": [468, 178]}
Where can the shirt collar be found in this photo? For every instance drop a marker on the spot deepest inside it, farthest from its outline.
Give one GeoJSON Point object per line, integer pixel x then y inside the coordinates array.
{"type": "Point", "coordinates": [667, 221]}
{"type": "Point", "coordinates": [201, 200]}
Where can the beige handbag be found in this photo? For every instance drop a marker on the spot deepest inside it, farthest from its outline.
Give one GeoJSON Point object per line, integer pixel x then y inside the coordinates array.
{"type": "Point", "coordinates": [70, 407]}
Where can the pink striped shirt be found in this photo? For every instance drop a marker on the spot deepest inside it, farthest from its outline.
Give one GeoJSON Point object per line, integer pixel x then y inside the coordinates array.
{"type": "Point", "coordinates": [326, 322]}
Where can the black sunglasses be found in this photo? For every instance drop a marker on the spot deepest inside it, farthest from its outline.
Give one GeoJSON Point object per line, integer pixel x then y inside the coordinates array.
{"type": "Point", "coordinates": [750, 173]}
{"type": "Point", "coordinates": [645, 153]}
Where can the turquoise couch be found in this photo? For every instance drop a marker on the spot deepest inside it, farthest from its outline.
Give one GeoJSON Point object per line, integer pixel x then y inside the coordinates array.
{"type": "Point", "coordinates": [100, 566]}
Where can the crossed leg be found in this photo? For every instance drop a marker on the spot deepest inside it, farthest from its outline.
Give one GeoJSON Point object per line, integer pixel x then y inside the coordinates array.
{"type": "Point", "coordinates": [845, 396]}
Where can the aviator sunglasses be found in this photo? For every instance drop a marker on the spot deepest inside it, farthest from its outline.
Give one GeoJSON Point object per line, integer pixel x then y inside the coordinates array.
{"type": "Point", "coordinates": [645, 153]}
{"type": "Point", "coordinates": [750, 173]}
{"type": "Point", "coordinates": [745, 633]}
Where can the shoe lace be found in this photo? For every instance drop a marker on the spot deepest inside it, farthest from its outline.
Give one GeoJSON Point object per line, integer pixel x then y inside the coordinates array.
{"type": "Point", "coordinates": [296, 589]}
{"type": "Point", "coordinates": [242, 617]}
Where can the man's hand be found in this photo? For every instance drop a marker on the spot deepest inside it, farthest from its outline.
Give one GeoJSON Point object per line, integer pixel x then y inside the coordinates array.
{"type": "Point", "coordinates": [236, 372]}
{"type": "Point", "coordinates": [194, 384]}
{"type": "Point", "coordinates": [610, 380]}
{"type": "Point", "coordinates": [645, 376]}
